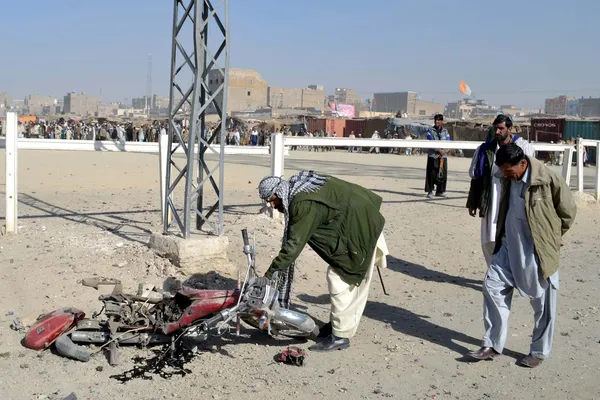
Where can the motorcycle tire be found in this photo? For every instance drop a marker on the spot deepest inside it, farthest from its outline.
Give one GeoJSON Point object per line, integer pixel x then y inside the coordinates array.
{"type": "Point", "coordinates": [66, 348]}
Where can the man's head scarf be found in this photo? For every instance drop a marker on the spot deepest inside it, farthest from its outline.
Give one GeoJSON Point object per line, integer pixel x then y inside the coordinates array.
{"type": "Point", "coordinates": [302, 182]}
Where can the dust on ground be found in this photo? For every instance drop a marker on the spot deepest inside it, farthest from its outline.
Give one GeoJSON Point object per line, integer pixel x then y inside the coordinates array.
{"type": "Point", "coordinates": [86, 214]}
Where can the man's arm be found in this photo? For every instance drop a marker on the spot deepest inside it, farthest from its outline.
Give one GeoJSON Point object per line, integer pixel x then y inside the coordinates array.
{"type": "Point", "coordinates": [305, 218]}
{"type": "Point", "coordinates": [564, 203]}
{"type": "Point", "coordinates": [430, 137]}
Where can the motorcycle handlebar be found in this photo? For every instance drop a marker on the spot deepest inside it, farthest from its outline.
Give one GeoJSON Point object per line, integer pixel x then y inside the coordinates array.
{"type": "Point", "coordinates": [245, 237]}
{"type": "Point", "coordinates": [209, 323]}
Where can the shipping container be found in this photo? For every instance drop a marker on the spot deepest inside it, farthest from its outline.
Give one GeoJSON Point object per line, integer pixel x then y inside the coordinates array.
{"type": "Point", "coordinates": [547, 130]}
{"type": "Point", "coordinates": [315, 125]}
{"type": "Point", "coordinates": [355, 125]}
{"type": "Point", "coordinates": [375, 124]}
{"type": "Point", "coordinates": [336, 126]}
{"type": "Point", "coordinates": [584, 130]}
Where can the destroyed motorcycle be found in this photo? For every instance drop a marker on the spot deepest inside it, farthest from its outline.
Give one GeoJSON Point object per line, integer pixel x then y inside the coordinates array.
{"type": "Point", "coordinates": [190, 314]}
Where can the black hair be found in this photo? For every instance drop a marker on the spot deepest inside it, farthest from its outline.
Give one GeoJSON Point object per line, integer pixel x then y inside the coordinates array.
{"type": "Point", "coordinates": [510, 153]}
{"type": "Point", "coordinates": [438, 117]}
{"type": "Point", "coordinates": [503, 118]}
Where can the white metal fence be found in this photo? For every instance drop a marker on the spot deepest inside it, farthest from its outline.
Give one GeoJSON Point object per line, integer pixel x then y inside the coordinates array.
{"type": "Point", "coordinates": [280, 143]}
{"type": "Point", "coordinates": [117, 146]}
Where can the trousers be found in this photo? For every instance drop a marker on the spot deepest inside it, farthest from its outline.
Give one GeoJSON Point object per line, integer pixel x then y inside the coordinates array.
{"type": "Point", "coordinates": [431, 175]}
{"type": "Point", "coordinates": [348, 301]}
{"type": "Point", "coordinates": [498, 288]}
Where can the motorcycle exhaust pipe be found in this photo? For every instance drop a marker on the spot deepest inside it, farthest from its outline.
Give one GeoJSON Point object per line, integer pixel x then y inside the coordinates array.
{"type": "Point", "coordinates": [99, 337]}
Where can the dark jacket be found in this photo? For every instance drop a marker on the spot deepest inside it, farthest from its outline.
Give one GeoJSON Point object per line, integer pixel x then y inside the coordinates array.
{"type": "Point", "coordinates": [550, 209]}
{"type": "Point", "coordinates": [341, 222]}
{"type": "Point", "coordinates": [480, 189]}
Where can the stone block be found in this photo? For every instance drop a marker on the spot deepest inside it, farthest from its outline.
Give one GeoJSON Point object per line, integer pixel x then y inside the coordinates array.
{"type": "Point", "coordinates": [199, 254]}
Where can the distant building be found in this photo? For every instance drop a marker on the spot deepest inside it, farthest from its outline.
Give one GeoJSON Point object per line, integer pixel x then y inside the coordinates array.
{"type": "Point", "coordinates": [81, 104]}
{"type": "Point", "coordinates": [471, 108]}
{"type": "Point", "coordinates": [512, 111]}
{"type": "Point", "coordinates": [6, 101]}
{"type": "Point", "coordinates": [573, 108]}
{"type": "Point", "coordinates": [403, 102]}
{"type": "Point", "coordinates": [347, 96]}
{"type": "Point", "coordinates": [557, 106]}
{"type": "Point", "coordinates": [36, 104]}
{"type": "Point", "coordinates": [107, 110]}
{"type": "Point", "coordinates": [426, 109]}
{"type": "Point", "coordinates": [304, 98]}
{"type": "Point", "coordinates": [247, 89]}
{"type": "Point", "coordinates": [589, 107]}
{"type": "Point", "coordinates": [317, 87]}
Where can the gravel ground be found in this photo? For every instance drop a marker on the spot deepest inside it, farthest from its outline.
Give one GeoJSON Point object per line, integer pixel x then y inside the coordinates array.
{"type": "Point", "coordinates": [87, 214]}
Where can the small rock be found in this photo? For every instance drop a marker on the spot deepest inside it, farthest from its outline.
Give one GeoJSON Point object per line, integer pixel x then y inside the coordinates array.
{"type": "Point", "coordinates": [99, 368]}
{"type": "Point", "coordinates": [24, 366]}
{"type": "Point", "coordinates": [5, 355]}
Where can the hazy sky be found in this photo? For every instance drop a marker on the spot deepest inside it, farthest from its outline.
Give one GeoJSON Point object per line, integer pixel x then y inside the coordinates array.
{"type": "Point", "coordinates": [516, 52]}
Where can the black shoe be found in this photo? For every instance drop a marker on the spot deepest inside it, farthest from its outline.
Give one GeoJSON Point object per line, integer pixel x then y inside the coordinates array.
{"type": "Point", "coordinates": [325, 330]}
{"type": "Point", "coordinates": [331, 343]}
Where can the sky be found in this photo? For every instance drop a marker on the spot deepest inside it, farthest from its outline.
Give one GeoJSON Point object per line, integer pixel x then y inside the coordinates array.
{"type": "Point", "coordinates": [508, 52]}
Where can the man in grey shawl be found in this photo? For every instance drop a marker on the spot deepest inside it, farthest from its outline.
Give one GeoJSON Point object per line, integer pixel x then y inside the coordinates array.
{"type": "Point", "coordinates": [341, 222]}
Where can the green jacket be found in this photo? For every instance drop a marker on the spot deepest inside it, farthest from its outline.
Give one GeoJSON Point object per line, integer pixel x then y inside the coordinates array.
{"type": "Point", "coordinates": [341, 222]}
{"type": "Point", "coordinates": [550, 209]}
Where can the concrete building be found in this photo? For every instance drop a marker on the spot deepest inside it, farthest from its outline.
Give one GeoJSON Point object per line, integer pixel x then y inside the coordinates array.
{"type": "Point", "coordinates": [589, 107]}
{"type": "Point", "coordinates": [247, 89]}
{"type": "Point", "coordinates": [426, 109]}
{"type": "Point", "coordinates": [512, 111]}
{"type": "Point", "coordinates": [160, 104]}
{"type": "Point", "coordinates": [403, 102]}
{"type": "Point", "coordinates": [573, 108]}
{"type": "Point", "coordinates": [107, 109]}
{"type": "Point", "coordinates": [557, 106]}
{"type": "Point", "coordinates": [81, 104]}
{"type": "Point", "coordinates": [35, 104]}
{"type": "Point", "coordinates": [6, 101]}
{"type": "Point", "coordinates": [304, 98]}
{"type": "Point", "coordinates": [470, 108]}
{"type": "Point", "coordinates": [347, 96]}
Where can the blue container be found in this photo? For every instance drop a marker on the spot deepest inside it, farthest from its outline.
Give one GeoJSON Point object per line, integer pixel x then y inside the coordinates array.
{"type": "Point", "coordinates": [584, 130]}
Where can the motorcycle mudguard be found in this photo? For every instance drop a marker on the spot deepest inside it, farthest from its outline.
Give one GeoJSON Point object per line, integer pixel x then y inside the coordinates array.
{"type": "Point", "coordinates": [50, 326]}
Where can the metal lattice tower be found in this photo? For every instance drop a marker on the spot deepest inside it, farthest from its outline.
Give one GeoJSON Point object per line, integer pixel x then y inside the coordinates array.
{"type": "Point", "coordinates": [197, 57]}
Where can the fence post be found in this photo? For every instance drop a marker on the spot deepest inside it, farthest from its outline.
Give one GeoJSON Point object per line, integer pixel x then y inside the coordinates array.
{"type": "Point", "coordinates": [277, 161]}
{"type": "Point", "coordinates": [598, 171]}
{"type": "Point", "coordinates": [567, 165]}
{"type": "Point", "coordinates": [579, 165]}
{"type": "Point", "coordinates": [12, 139]}
{"type": "Point", "coordinates": [163, 151]}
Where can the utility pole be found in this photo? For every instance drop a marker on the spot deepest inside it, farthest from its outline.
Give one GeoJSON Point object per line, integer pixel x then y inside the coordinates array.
{"type": "Point", "coordinates": [148, 102]}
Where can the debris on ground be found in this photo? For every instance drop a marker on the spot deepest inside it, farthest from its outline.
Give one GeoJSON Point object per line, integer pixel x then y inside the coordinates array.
{"type": "Point", "coordinates": [293, 356]}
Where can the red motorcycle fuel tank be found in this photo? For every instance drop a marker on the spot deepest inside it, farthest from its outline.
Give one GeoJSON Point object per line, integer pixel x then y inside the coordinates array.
{"type": "Point", "coordinates": [50, 326]}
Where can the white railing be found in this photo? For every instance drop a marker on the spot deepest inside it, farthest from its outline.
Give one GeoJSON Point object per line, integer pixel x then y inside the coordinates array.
{"type": "Point", "coordinates": [280, 143]}
{"type": "Point", "coordinates": [117, 146]}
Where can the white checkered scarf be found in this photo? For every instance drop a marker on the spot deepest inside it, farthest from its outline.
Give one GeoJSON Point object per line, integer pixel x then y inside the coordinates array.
{"type": "Point", "coordinates": [302, 182]}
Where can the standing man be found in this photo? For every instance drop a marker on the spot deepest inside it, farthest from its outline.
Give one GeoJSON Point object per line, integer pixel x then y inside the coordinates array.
{"type": "Point", "coordinates": [437, 160]}
{"type": "Point", "coordinates": [342, 223]}
{"type": "Point", "coordinates": [484, 193]}
{"type": "Point", "coordinates": [536, 210]}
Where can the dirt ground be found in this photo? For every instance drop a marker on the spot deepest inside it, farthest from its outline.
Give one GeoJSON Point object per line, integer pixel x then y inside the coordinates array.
{"type": "Point", "coordinates": [85, 214]}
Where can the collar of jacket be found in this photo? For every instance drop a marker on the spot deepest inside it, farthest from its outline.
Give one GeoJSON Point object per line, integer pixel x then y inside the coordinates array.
{"type": "Point", "coordinates": [538, 173]}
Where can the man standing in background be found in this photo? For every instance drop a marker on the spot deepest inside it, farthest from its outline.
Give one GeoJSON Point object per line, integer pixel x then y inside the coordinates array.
{"type": "Point", "coordinates": [436, 174]}
{"type": "Point", "coordinates": [536, 210]}
{"type": "Point", "coordinates": [484, 193]}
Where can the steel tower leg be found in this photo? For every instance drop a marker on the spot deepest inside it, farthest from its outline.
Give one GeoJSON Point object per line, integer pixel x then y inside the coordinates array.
{"type": "Point", "coordinates": [207, 61]}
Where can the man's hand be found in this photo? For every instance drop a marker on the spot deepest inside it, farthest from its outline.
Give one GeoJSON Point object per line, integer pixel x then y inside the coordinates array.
{"type": "Point", "coordinates": [472, 212]}
{"type": "Point", "coordinates": [442, 152]}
